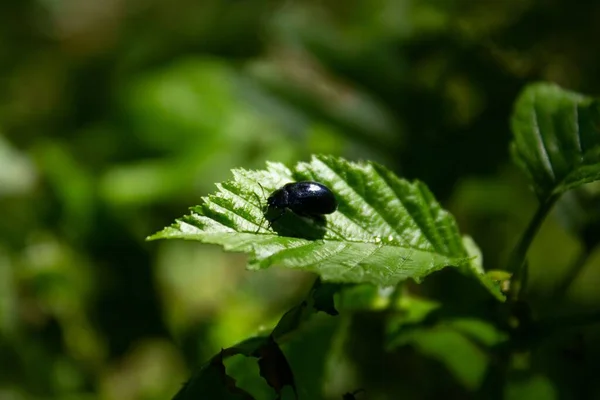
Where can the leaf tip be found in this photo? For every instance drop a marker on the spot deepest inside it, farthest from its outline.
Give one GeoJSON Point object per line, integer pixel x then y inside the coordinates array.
{"type": "Point", "coordinates": [162, 234]}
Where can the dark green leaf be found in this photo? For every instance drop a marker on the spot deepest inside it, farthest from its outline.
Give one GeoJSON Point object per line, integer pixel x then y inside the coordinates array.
{"type": "Point", "coordinates": [292, 319]}
{"type": "Point", "coordinates": [556, 138]}
{"type": "Point", "coordinates": [323, 297]}
{"type": "Point", "coordinates": [463, 344]}
{"type": "Point", "coordinates": [320, 298]}
{"type": "Point", "coordinates": [212, 382]}
{"type": "Point", "coordinates": [275, 368]}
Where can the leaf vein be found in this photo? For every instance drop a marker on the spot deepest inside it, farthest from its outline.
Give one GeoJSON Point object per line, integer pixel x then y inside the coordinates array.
{"type": "Point", "coordinates": [544, 151]}
{"type": "Point", "coordinates": [232, 211]}
{"type": "Point", "coordinates": [244, 200]}
{"type": "Point", "coordinates": [411, 216]}
{"type": "Point", "coordinates": [374, 211]}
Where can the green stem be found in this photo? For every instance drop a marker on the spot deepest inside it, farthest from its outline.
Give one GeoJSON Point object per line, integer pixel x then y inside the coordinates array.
{"type": "Point", "coordinates": [516, 263]}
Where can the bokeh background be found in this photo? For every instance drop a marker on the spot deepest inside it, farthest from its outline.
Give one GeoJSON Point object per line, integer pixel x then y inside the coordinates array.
{"type": "Point", "coordinates": [117, 115]}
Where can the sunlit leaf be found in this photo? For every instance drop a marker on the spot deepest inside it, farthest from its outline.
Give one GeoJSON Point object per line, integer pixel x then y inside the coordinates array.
{"type": "Point", "coordinates": [556, 138]}
{"type": "Point", "coordinates": [384, 231]}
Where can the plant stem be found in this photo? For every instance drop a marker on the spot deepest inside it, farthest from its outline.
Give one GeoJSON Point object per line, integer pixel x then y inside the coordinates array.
{"type": "Point", "coordinates": [516, 263]}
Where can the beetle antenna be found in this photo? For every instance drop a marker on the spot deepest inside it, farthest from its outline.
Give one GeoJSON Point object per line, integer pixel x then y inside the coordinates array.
{"type": "Point", "coordinates": [262, 188]}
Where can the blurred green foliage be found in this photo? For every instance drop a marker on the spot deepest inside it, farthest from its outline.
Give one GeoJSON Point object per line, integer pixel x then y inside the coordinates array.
{"type": "Point", "coordinates": [116, 116]}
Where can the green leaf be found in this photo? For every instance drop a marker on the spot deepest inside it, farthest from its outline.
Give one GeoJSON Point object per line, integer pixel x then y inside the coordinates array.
{"type": "Point", "coordinates": [475, 267]}
{"type": "Point", "coordinates": [529, 385]}
{"type": "Point", "coordinates": [274, 367]}
{"type": "Point", "coordinates": [323, 297]}
{"type": "Point", "coordinates": [384, 231]}
{"type": "Point", "coordinates": [463, 344]}
{"type": "Point", "coordinates": [464, 359]}
{"type": "Point", "coordinates": [212, 382]}
{"type": "Point", "coordinates": [556, 138]}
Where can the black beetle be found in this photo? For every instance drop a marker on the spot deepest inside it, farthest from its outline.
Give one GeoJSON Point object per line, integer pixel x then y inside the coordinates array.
{"type": "Point", "coordinates": [305, 198]}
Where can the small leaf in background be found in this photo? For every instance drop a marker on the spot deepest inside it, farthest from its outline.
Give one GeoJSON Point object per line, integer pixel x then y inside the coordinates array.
{"type": "Point", "coordinates": [556, 138]}
{"type": "Point", "coordinates": [385, 230]}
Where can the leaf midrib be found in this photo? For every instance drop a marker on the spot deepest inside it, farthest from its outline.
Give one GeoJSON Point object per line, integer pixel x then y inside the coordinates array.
{"type": "Point", "coordinates": [382, 244]}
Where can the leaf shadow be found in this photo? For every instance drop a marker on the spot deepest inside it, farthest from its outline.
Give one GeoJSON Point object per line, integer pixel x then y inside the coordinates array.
{"type": "Point", "coordinates": [309, 227]}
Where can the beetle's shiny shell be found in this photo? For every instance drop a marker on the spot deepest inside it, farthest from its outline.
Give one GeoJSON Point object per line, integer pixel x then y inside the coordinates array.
{"type": "Point", "coordinates": [304, 198]}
